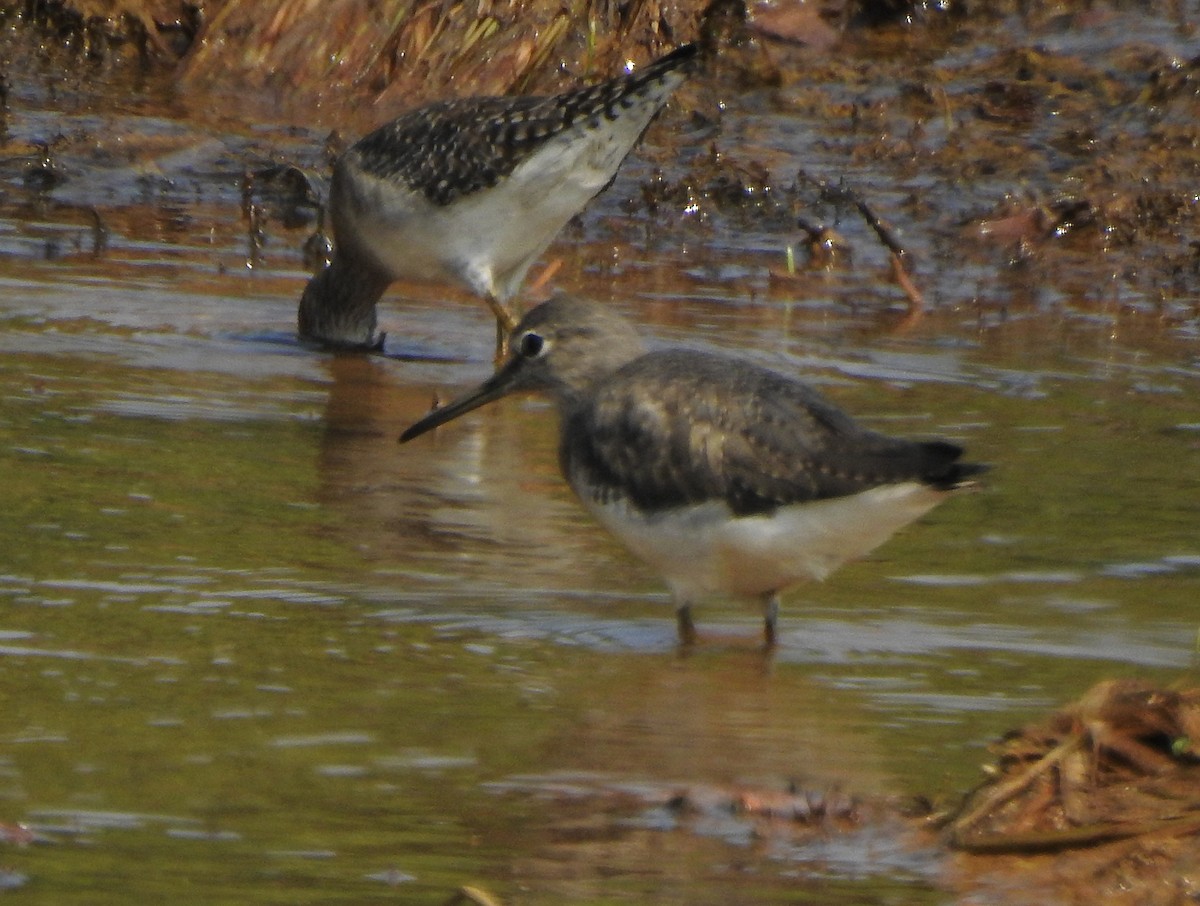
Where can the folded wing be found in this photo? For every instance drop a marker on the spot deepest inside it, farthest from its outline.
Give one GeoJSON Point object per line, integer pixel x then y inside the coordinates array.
{"type": "Point", "coordinates": [679, 428]}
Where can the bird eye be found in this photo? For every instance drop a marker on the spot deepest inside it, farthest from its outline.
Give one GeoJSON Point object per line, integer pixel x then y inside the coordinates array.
{"type": "Point", "coordinates": [532, 345]}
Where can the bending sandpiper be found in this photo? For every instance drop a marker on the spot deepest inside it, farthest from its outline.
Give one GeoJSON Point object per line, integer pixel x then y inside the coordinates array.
{"type": "Point", "coordinates": [472, 191]}
{"type": "Point", "coordinates": [723, 476]}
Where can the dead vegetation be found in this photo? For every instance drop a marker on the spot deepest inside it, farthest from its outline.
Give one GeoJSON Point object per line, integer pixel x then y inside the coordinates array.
{"type": "Point", "coordinates": [415, 50]}
{"type": "Point", "coordinates": [399, 51]}
{"type": "Point", "coordinates": [1101, 800]}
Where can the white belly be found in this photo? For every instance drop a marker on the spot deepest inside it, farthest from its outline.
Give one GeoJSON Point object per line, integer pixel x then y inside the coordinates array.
{"type": "Point", "coordinates": [704, 549]}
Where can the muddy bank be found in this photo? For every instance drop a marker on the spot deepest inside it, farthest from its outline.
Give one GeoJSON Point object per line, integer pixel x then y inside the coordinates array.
{"type": "Point", "coordinates": [1050, 148]}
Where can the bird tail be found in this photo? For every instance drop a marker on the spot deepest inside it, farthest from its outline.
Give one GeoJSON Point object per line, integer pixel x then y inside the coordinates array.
{"type": "Point", "coordinates": [682, 57]}
{"type": "Point", "coordinates": [653, 83]}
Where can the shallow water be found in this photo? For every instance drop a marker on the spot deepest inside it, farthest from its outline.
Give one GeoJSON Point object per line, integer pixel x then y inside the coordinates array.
{"type": "Point", "coordinates": [252, 650]}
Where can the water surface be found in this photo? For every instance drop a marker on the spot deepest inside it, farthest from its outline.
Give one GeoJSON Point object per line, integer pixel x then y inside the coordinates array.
{"type": "Point", "coordinates": [253, 650]}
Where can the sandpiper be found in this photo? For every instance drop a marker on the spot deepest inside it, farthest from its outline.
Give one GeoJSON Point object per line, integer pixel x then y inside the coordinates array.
{"type": "Point", "coordinates": [472, 191]}
{"type": "Point", "coordinates": [723, 476]}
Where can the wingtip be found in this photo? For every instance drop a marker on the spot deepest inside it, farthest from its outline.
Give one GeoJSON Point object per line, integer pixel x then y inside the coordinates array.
{"type": "Point", "coordinates": [943, 470]}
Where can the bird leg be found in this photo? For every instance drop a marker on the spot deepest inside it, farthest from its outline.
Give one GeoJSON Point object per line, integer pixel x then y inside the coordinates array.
{"type": "Point", "coordinates": [501, 345]}
{"type": "Point", "coordinates": [506, 322]}
{"type": "Point", "coordinates": [685, 624]}
{"type": "Point", "coordinates": [770, 616]}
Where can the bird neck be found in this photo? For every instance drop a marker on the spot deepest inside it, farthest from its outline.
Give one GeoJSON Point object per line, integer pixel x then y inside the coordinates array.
{"type": "Point", "coordinates": [338, 305]}
{"type": "Point", "coordinates": [569, 400]}
{"type": "Point", "coordinates": [587, 358]}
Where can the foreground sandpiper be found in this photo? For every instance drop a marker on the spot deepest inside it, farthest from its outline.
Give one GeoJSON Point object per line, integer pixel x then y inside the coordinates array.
{"type": "Point", "coordinates": [472, 191]}
{"type": "Point", "coordinates": [720, 474]}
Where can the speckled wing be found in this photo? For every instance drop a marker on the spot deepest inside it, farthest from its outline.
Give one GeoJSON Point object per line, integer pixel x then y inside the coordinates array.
{"type": "Point", "coordinates": [454, 148]}
{"type": "Point", "coordinates": [677, 428]}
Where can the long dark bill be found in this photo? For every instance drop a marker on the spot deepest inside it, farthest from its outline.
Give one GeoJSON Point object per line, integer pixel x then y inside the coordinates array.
{"type": "Point", "coordinates": [500, 383]}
